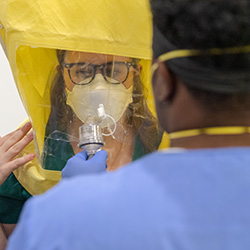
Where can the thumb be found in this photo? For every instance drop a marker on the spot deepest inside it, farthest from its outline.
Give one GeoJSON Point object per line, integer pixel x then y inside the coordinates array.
{"type": "Point", "coordinates": [82, 155]}
{"type": "Point", "coordinates": [100, 156]}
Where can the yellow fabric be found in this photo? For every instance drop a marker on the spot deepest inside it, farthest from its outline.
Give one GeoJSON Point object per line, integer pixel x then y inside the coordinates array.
{"type": "Point", "coordinates": [33, 177]}
{"type": "Point", "coordinates": [2, 29]}
{"type": "Point", "coordinates": [165, 142]}
{"type": "Point", "coordinates": [2, 38]}
{"type": "Point", "coordinates": [31, 31]}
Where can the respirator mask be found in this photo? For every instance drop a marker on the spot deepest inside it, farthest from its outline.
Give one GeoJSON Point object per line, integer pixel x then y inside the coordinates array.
{"type": "Point", "coordinates": [85, 99]}
{"type": "Point", "coordinates": [99, 105]}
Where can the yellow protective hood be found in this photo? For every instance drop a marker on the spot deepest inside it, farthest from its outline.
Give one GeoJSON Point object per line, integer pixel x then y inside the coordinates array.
{"type": "Point", "coordinates": [32, 31]}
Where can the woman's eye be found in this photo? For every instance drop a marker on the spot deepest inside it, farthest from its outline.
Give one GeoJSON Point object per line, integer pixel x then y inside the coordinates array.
{"type": "Point", "coordinates": [116, 72]}
{"type": "Point", "coordinates": [83, 72]}
{"type": "Point", "coordinates": [113, 71]}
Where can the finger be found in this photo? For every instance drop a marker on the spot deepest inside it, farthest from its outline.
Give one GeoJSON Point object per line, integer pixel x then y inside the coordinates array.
{"type": "Point", "coordinates": [18, 147]}
{"type": "Point", "coordinates": [27, 126]}
{"type": "Point", "coordinates": [80, 157]}
{"type": "Point", "coordinates": [16, 136]}
{"type": "Point", "coordinates": [101, 156]}
{"type": "Point", "coordinates": [6, 137]}
{"type": "Point", "coordinates": [13, 165]}
{"type": "Point", "coordinates": [97, 163]}
{"type": "Point", "coordinates": [83, 155]}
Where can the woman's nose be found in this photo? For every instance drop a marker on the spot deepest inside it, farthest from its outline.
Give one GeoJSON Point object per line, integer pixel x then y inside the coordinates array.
{"type": "Point", "coordinates": [99, 69]}
{"type": "Point", "coordinates": [99, 76]}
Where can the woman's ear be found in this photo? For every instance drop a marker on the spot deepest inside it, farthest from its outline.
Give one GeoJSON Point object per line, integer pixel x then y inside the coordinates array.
{"type": "Point", "coordinates": [164, 84]}
{"type": "Point", "coordinates": [138, 69]}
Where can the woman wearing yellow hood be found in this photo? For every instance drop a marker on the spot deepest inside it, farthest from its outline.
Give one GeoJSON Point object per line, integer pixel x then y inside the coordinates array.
{"type": "Point", "coordinates": [83, 63]}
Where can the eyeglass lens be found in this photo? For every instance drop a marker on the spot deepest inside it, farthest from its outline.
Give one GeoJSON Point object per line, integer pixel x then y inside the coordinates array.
{"type": "Point", "coordinates": [115, 72]}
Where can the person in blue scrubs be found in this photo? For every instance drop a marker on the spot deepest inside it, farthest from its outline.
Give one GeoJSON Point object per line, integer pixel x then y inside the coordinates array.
{"type": "Point", "coordinates": [194, 195]}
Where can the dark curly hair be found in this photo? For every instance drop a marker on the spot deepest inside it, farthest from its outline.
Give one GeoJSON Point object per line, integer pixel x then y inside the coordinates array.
{"type": "Point", "coordinates": [204, 24]}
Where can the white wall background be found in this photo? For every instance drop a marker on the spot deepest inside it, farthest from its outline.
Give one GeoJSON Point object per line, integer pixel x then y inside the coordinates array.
{"type": "Point", "coordinates": [12, 112]}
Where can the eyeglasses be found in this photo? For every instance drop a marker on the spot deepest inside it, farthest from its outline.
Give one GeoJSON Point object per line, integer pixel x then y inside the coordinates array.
{"type": "Point", "coordinates": [113, 72]}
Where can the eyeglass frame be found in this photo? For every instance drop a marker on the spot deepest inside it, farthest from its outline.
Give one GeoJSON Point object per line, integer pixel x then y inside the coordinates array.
{"type": "Point", "coordinates": [68, 66]}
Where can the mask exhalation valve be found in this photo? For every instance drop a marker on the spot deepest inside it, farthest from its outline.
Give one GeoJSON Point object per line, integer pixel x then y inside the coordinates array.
{"type": "Point", "coordinates": [91, 134]}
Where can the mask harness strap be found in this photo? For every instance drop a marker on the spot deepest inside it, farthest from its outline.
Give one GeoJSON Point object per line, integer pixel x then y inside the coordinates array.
{"type": "Point", "coordinates": [186, 65]}
{"type": "Point", "coordinates": [239, 80]}
{"type": "Point", "coordinates": [234, 130]}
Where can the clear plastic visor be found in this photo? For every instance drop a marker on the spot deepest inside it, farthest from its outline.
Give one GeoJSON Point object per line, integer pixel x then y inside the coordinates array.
{"type": "Point", "coordinates": [77, 98]}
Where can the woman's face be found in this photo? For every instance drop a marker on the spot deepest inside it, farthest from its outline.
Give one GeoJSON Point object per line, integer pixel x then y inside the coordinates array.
{"type": "Point", "coordinates": [94, 59]}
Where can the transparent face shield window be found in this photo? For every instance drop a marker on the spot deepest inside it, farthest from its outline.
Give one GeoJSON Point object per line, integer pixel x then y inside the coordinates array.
{"type": "Point", "coordinates": [86, 101]}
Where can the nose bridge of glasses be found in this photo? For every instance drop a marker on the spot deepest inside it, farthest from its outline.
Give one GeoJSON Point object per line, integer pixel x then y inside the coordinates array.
{"type": "Point", "coordinates": [98, 78]}
{"type": "Point", "coordinates": [98, 72]}
{"type": "Point", "coordinates": [99, 69]}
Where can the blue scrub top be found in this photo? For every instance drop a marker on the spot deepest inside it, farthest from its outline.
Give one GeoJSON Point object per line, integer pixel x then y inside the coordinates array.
{"type": "Point", "coordinates": [195, 199]}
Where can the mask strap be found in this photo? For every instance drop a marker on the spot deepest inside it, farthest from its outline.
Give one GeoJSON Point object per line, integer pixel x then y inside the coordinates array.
{"type": "Point", "coordinates": [198, 52]}
{"type": "Point", "coordinates": [209, 78]}
{"type": "Point", "coordinates": [235, 130]}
